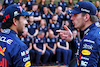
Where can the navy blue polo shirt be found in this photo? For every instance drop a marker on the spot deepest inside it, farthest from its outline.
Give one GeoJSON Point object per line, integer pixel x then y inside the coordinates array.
{"type": "Point", "coordinates": [51, 41]}
{"type": "Point", "coordinates": [55, 27]}
{"type": "Point", "coordinates": [45, 29]}
{"type": "Point", "coordinates": [39, 42]}
{"type": "Point", "coordinates": [6, 3]}
{"type": "Point", "coordinates": [52, 7]}
{"type": "Point", "coordinates": [41, 8]}
{"type": "Point", "coordinates": [36, 14]}
{"type": "Point", "coordinates": [32, 28]}
{"type": "Point", "coordinates": [60, 18]}
{"type": "Point", "coordinates": [26, 40]}
{"type": "Point", "coordinates": [63, 5]}
{"type": "Point", "coordinates": [29, 4]}
{"type": "Point", "coordinates": [46, 17]}
{"type": "Point", "coordinates": [62, 42]}
{"type": "Point", "coordinates": [67, 16]}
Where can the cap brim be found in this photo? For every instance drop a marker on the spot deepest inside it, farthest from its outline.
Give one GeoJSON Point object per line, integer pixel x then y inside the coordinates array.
{"type": "Point", "coordinates": [26, 13]}
{"type": "Point", "coordinates": [73, 11]}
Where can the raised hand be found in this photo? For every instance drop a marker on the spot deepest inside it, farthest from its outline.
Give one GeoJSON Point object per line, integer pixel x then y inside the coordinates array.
{"type": "Point", "coordinates": [66, 34]}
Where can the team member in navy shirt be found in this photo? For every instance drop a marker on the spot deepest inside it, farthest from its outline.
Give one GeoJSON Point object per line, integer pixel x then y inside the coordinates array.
{"type": "Point", "coordinates": [32, 27]}
{"type": "Point", "coordinates": [36, 14]}
{"type": "Point", "coordinates": [54, 25]}
{"type": "Point", "coordinates": [52, 7]}
{"type": "Point", "coordinates": [19, 2]}
{"type": "Point", "coordinates": [46, 15]}
{"type": "Point", "coordinates": [51, 46]}
{"type": "Point", "coordinates": [6, 3]}
{"type": "Point", "coordinates": [13, 52]}
{"type": "Point", "coordinates": [43, 27]}
{"type": "Point", "coordinates": [63, 4]}
{"type": "Point", "coordinates": [60, 16]}
{"type": "Point", "coordinates": [63, 46]}
{"type": "Point", "coordinates": [29, 4]}
{"type": "Point", "coordinates": [41, 6]}
{"type": "Point", "coordinates": [40, 48]}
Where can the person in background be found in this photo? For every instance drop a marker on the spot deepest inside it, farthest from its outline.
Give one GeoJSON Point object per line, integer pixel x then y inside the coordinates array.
{"type": "Point", "coordinates": [29, 4]}
{"type": "Point", "coordinates": [75, 36]}
{"type": "Point", "coordinates": [41, 6]}
{"type": "Point", "coordinates": [51, 47]}
{"type": "Point", "coordinates": [1, 15]}
{"type": "Point", "coordinates": [6, 3]}
{"type": "Point", "coordinates": [23, 5]}
{"type": "Point", "coordinates": [19, 2]}
{"type": "Point", "coordinates": [40, 49]}
{"type": "Point", "coordinates": [63, 47]}
{"type": "Point", "coordinates": [70, 3]}
{"type": "Point", "coordinates": [98, 14]}
{"type": "Point", "coordinates": [84, 18]}
{"type": "Point", "coordinates": [46, 15]}
{"type": "Point", "coordinates": [32, 27]}
{"type": "Point", "coordinates": [52, 7]}
{"type": "Point", "coordinates": [43, 27]}
{"type": "Point", "coordinates": [60, 16]}
{"type": "Point", "coordinates": [54, 26]}
{"type": "Point", "coordinates": [97, 4]}
{"type": "Point", "coordinates": [63, 4]}
{"type": "Point", "coordinates": [36, 14]}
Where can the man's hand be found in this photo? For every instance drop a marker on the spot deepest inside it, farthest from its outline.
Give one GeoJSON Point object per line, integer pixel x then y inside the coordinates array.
{"type": "Point", "coordinates": [43, 52]}
{"type": "Point", "coordinates": [65, 34]}
{"type": "Point", "coordinates": [54, 51]}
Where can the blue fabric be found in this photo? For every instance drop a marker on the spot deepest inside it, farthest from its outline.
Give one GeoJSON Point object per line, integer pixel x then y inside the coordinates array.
{"type": "Point", "coordinates": [15, 52]}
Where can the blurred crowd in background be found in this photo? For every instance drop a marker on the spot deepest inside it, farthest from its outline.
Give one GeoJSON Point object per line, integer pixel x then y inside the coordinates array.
{"type": "Point", "coordinates": [44, 43]}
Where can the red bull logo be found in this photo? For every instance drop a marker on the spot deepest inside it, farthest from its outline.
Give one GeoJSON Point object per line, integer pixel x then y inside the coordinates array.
{"type": "Point", "coordinates": [3, 63]}
{"type": "Point", "coordinates": [2, 50]}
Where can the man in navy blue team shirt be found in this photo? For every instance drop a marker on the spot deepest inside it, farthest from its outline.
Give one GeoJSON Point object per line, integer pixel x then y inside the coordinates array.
{"type": "Point", "coordinates": [63, 4]}
{"type": "Point", "coordinates": [36, 14]}
{"type": "Point", "coordinates": [40, 48]}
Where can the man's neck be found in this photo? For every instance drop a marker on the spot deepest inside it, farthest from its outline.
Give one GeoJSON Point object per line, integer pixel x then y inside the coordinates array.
{"type": "Point", "coordinates": [14, 28]}
{"type": "Point", "coordinates": [86, 25]}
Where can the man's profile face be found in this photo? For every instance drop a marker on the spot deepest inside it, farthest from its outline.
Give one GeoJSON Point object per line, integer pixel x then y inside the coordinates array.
{"type": "Point", "coordinates": [78, 21]}
{"type": "Point", "coordinates": [21, 24]}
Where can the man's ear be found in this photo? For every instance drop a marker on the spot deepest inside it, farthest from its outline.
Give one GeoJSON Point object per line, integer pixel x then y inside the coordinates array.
{"type": "Point", "coordinates": [15, 21]}
{"type": "Point", "coordinates": [87, 17]}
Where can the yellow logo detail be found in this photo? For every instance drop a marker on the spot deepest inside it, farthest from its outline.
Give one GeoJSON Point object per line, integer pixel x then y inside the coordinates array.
{"type": "Point", "coordinates": [27, 64]}
{"type": "Point", "coordinates": [2, 50]}
{"type": "Point", "coordinates": [86, 52]}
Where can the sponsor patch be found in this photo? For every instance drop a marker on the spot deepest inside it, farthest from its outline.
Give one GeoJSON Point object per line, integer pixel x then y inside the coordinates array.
{"type": "Point", "coordinates": [87, 46]}
{"type": "Point", "coordinates": [27, 64]}
{"type": "Point", "coordinates": [86, 52]}
{"type": "Point", "coordinates": [84, 63]}
{"type": "Point", "coordinates": [86, 40]}
{"type": "Point", "coordinates": [85, 58]}
{"type": "Point", "coordinates": [2, 50]}
{"type": "Point", "coordinates": [25, 52]}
